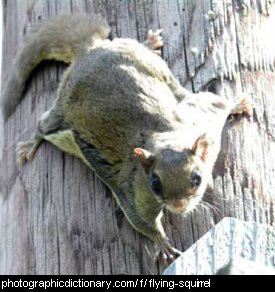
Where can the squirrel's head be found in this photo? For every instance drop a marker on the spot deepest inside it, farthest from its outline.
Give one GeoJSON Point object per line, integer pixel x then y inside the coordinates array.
{"type": "Point", "coordinates": [177, 179]}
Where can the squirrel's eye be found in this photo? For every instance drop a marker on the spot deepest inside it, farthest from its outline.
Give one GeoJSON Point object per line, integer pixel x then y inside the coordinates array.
{"type": "Point", "coordinates": [156, 184]}
{"type": "Point", "coordinates": [195, 178]}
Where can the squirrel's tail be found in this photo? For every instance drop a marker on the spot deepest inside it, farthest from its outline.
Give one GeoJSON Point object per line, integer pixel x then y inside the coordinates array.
{"type": "Point", "coordinates": [60, 38]}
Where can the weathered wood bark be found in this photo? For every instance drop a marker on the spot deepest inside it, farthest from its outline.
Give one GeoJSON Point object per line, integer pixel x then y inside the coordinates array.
{"type": "Point", "coordinates": [57, 217]}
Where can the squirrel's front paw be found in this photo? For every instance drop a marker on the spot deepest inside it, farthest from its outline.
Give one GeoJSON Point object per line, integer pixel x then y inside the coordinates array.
{"type": "Point", "coordinates": [167, 254]}
{"type": "Point", "coordinates": [244, 106]}
{"type": "Point", "coordinates": [155, 41]}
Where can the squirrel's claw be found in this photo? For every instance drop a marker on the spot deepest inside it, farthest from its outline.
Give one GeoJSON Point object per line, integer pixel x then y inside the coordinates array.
{"type": "Point", "coordinates": [244, 106]}
{"type": "Point", "coordinates": [154, 41]}
{"type": "Point", "coordinates": [167, 254]}
{"type": "Point", "coordinates": [22, 151]}
{"type": "Point", "coordinates": [26, 151]}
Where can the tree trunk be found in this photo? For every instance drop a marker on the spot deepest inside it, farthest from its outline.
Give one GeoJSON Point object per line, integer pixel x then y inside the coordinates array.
{"type": "Point", "coordinates": [57, 217]}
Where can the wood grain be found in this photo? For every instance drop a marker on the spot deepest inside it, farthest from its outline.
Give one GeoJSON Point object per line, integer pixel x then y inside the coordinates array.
{"type": "Point", "coordinates": [250, 245]}
{"type": "Point", "coordinates": [57, 217]}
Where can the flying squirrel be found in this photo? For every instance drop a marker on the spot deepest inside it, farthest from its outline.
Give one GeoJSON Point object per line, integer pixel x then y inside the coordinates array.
{"type": "Point", "coordinates": [123, 113]}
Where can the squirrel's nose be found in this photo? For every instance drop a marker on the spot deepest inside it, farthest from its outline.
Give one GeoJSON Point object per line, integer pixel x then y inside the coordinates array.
{"type": "Point", "coordinates": [179, 205]}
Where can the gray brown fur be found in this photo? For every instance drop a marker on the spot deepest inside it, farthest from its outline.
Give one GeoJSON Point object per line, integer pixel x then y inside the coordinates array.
{"type": "Point", "coordinates": [118, 97]}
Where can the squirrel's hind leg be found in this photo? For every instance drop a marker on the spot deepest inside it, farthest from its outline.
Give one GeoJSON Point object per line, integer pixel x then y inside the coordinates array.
{"type": "Point", "coordinates": [49, 123]}
{"type": "Point", "coordinates": [26, 150]}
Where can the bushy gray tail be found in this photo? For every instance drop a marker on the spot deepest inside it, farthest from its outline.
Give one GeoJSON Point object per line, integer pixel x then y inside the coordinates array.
{"type": "Point", "coordinates": [59, 38]}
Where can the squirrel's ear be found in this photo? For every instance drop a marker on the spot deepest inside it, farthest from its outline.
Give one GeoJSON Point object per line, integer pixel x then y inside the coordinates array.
{"type": "Point", "coordinates": [145, 157]}
{"type": "Point", "coordinates": [200, 147]}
